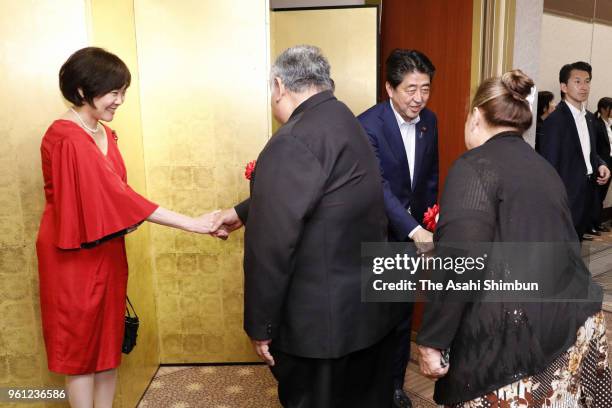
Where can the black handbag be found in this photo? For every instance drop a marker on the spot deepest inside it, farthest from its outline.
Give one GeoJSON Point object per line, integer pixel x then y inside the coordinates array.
{"type": "Point", "coordinates": [131, 329]}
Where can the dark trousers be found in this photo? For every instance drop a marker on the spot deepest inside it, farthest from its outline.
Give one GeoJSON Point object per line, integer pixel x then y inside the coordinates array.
{"type": "Point", "coordinates": [402, 348]}
{"type": "Point", "coordinates": [361, 379]}
{"type": "Point", "coordinates": [583, 221]}
{"type": "Point", "coordinates": [598, 202]}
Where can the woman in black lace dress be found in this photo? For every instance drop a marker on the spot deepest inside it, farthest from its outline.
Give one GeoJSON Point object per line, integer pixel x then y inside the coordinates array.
{"type": "Point", "coordinates": [513, 349]}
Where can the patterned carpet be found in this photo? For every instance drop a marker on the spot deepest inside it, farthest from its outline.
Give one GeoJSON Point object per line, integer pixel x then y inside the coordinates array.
{"type": "Point", "coordinates": [252, 386]}
{"type": "Point", "coordinates": [238, 386]}
{"type": "Point", "coordinates": [213, 387]}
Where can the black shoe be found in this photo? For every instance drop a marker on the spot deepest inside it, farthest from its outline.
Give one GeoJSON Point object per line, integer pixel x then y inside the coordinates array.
{"type": "Point", "coordinates": [593, 231]}
{"type": "Point", "coordinates": [602, 228]}
{"type": "Point", "coordinates": [400, 399]}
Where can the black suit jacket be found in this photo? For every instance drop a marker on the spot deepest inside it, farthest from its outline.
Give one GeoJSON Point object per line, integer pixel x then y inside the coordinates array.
{"type": "Point", "coordinates": [316, 195]}
{"type": "Point", "coordinates": [603, 142]}
{"type": "Point", "coordinates": [559, 143]}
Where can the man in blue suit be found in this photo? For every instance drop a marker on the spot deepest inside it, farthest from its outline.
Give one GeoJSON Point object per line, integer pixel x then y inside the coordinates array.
{"type": "Point", "coordinates": [404, 135]}
{"type": "Point", "coordinates": [568, 143]}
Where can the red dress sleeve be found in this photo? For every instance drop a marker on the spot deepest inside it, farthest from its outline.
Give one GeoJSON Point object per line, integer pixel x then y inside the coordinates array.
{"type": "Point", "coordinates": [91, 200]}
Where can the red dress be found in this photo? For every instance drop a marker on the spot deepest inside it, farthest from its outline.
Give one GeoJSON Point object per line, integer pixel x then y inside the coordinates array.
{"type": "Point", "coordinates": [82, 291]}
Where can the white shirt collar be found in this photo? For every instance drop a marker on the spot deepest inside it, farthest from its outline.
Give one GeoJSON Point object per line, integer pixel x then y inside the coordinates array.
{"type": "Point", "coordinates": [400, 120]}
{"type": "Point", "coordinates": [577, 113]}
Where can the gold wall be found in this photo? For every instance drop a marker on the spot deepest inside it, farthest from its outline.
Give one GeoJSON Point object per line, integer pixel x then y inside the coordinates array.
{"type": "Point", "coordinates": [347, 37]}
{"type": "Point", "coordinates": [204, 97]}
{"type": "Point", "coordinates": [196, 113]}
{"type": "Point", "coordinates": [29, 63]}
{"type": "Point", "coordinates": [112, 27]}
{"type": "Point", "coordinates": [206, 115]}
{"type": "Point", "coordinates": [36, 39]}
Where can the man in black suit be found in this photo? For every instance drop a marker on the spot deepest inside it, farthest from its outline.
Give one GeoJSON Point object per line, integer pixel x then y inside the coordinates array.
{"type": "Point", "coordinates": [404, 135]}
{"type": "Point", "coordinates": [568, 143]}
{"type": "Point", "coordinates": [604, 136]}
{"type": "Point", "coordinates": [316, 195]}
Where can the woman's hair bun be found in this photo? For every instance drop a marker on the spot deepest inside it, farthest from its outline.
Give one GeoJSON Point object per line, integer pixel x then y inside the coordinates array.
{"type": "Point", "coordinates": [517, 83]}
{"type": "Point", "coordinates": [503, 100]}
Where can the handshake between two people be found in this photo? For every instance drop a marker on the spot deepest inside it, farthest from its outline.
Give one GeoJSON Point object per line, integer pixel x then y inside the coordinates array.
{"type": "Point", "coordinates": [219, 223]}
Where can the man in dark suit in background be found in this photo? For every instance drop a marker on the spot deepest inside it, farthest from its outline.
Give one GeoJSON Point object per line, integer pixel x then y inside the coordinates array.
{"type": "Point", "coordinates": [568, 143]}
{"type": "Point", "coordinates": [404, 135]}
{"type": "Point", "coordinates": [604, 136]}
{"type": "Point", "coordinates": [316, 196]}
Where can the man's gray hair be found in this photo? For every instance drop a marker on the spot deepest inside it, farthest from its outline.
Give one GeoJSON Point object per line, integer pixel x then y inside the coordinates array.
{"type": "Point", "coordinates": [302, 67]}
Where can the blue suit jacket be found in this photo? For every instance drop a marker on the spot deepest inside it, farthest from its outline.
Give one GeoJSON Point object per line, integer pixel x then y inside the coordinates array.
{"type": "Point", "coordinates": [405, 203]}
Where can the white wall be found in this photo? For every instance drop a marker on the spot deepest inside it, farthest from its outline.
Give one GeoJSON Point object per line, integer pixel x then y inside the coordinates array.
{"type": "Point", "coordinates": [527, 36]}
{"type": "Point", "coordinates": [564, 41]}
{"type": "Point", "coordinates": [601, 59]}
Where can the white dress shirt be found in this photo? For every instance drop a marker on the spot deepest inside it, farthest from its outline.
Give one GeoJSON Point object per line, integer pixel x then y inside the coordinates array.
{"type": "Point", "coordinates": [583, 134]}
{"type": "Point", "coordinates": [408, 132]}
{"type": "Point", "coordinates": [609, 129]}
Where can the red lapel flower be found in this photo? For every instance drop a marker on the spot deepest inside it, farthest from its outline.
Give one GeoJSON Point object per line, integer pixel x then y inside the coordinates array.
{"type": "Point", "coordinates": [250, 168]}
{"type": "Point", "coordinates": [430, 218]}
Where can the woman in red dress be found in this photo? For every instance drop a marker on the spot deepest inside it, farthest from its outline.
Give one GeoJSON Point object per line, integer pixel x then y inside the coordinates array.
{"type": "Point", "coordinates": [89, 207]}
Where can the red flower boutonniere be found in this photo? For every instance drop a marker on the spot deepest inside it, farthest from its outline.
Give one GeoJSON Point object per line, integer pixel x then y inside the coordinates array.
{"type": "Point", "coordinates": [430, 218]}
{"type": "Point", "coordinates": [250, 168]}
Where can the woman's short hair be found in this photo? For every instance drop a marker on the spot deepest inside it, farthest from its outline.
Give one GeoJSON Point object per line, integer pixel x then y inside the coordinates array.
{"type": "Point", "coordinates": [503, 100]}
{"type": "Point", "coordinates": [544, 100]}
{"type": "Point", "coordinates": [95, 72]}
{"type": "Point", "coordinates": [603, 104]}
{"type": "Point", "coordinates": [401, 62]}
{"type": "Point", "coordinates": [303, 67]}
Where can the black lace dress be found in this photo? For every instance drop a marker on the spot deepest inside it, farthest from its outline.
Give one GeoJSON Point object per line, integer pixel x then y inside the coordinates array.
{"type": "Point", "coordinates": [501, 193]}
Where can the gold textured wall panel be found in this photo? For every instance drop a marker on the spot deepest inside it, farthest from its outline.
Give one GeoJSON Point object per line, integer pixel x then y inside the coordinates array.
{"type": "Point", "coordinates": [204, 98]}
{"type": "Point", "coordinates": [29, 62]}
{"type": "Point", "coordinates": [347, 37]}
{"type": "Point", "coordinates": [112, 27]}
{"type": "Point", "coordinates": [36, 39]}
